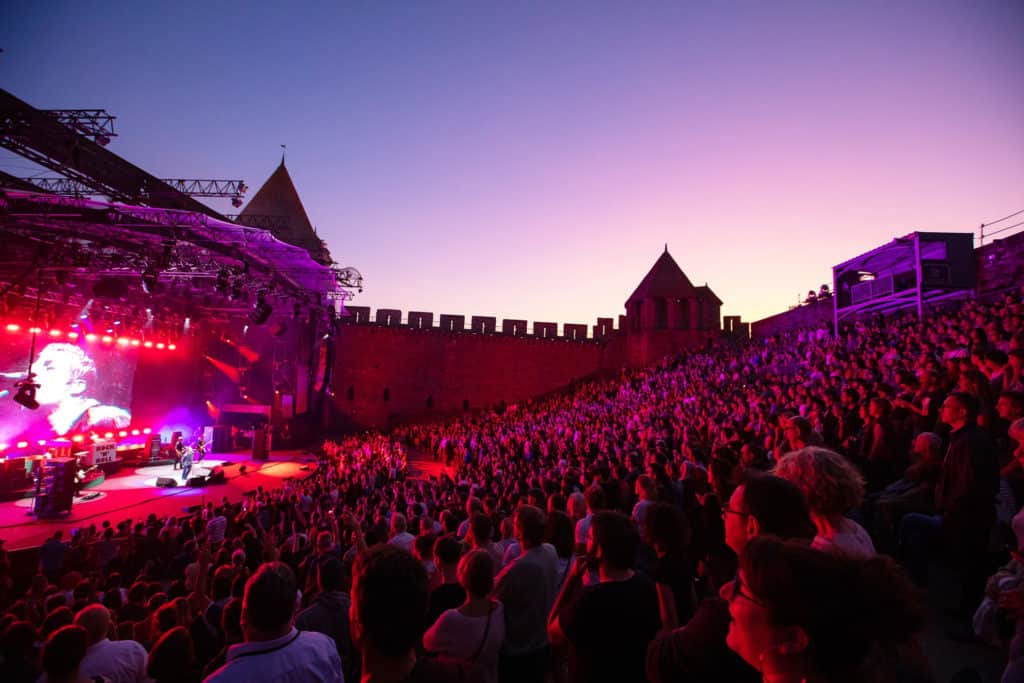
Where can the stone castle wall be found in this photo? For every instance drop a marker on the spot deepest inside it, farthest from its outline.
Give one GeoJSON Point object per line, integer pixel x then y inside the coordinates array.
{"type": "Point", "coordinates": [391, 370]}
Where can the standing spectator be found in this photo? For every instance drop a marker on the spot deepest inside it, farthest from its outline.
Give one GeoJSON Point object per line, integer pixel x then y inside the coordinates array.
{"type": "Point", "coordinates": [527, 589]}
{"type": "Point", "coordinates": [832, 487]}
{"type": "Point", "coordinates": [216, 527]}
{"type": "Point", "coordinates": [449, 594]}
{"type": "Point", "coordinates": [231, 627]}
{"type": "Point", "coordinates": [595, 503]}
{"type": "Point", "coordinates": [121, 661]}
{"type": "Point", "coordinates": [479, 537]}
{"type": "Point", "coordinates": [63, 654]}
{"type": "Point", "coordinates": [400, 538]}
{"type": "Point", "coordinates": [173, 658]}
{"type": "Point", "coordinates": [18, 652]}
{"type": "Point", "coordinates": [668, 533]}
{"type": "Point", "coordinates": [329, 613]}
{"type": "Point", "coordinates": [274, 651]}
{"type": "Point", "coordinates": [472, 634]}
{"type": "Point", "coordinates": [611, 623]}
{"type": "Point", "coordinates": [964, 500]}
{"type": "Point", "coordinates": [763, 504]}
{"type": "Point", "coordinates": [51, 556]}
{"type": "Point", "coordinates": [389, 604]}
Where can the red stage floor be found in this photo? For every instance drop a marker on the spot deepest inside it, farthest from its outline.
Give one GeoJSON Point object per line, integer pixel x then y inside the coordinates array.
{"type": "Point", "coordinates": [132, 493]}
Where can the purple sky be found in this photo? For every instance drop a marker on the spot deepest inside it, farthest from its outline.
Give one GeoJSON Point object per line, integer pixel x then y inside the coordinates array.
{"type": "Point", "coordinates": [530, 160]}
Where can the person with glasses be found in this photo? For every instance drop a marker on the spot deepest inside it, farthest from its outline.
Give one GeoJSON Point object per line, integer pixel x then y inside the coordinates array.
{"type": "Point", "coordinates": [799, 614]}
{"type": "Point", "coordinates": [762, 504]}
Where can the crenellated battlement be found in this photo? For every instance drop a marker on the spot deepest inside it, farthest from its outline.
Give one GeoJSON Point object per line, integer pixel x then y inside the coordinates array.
{"type": "Point", "coordinates": [482, 324]}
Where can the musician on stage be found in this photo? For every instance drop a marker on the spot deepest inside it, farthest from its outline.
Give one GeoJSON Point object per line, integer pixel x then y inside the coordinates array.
{"type": "Point", "coordinates": [186, 463]}
{"type": "Point", "coordinates": [200, 448]}
{"type": "Point", "coordinates": [179, 452]}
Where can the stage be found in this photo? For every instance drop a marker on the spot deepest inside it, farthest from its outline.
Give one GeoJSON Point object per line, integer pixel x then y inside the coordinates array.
{"type": "Point", "coordinates": [133, 493]}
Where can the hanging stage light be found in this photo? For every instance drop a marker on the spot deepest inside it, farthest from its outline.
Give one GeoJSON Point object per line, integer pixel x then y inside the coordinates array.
{"type": "Point", "coordinates": [26, 394]}
{"type": "Point", "coordinates": [150, 279]}
{"type": "Point", "coordinates": [261, 311]}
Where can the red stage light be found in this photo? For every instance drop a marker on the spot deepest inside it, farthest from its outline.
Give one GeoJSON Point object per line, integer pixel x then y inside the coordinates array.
{"type": "Point", "coordinates": [55, 333]}
{"type": "Point", "coordinates": [107, 339]}
{"type": "Point", "coordinates": [13, 327]}
{"type": "Point", "coordinates": [34, 330]}
{"type": "Point", "coordinates": [135, 342]}
{"type": "Point", "coordinates": [72, 335]}
{"type": "Point", "coordinates": [123, 341]}
{"type": "Point", "coordinates": [160, 345]}
{"type": "Point", "coordinates": [171, 347]}
{"type": "Point", "coordinates": [122, 433]}
{"type": "Point", "coordinates": [23, 444]}
{"type": "Point", "coordinates": [90, 337]}
{"type": "Point", "coordinates": [148, 344]}
{"type": "Point", "coordinates": [41, 442]}
{"type": "Point", "coordinates": [108, 435]}
{"type": "Point", "coordinates": [147, 430]}
{"type": "Point", "coordinates": [77, 438]}
{"type": "Point", "coordinates": [135, 432]}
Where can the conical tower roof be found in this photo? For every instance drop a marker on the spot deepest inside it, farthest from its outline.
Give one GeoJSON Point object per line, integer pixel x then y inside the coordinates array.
{"type": "Point", "coordinates": [665, 280]}
{"type": "Point", "coordinates": [277, 203]}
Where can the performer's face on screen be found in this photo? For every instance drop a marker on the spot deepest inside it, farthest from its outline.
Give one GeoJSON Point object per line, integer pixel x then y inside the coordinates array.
{"type": "Point", "coordinates": [61, 371]}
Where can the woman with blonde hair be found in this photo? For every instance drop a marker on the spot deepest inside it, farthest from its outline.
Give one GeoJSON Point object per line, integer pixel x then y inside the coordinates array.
{"type": "Point", "coordinates": [832, 487]}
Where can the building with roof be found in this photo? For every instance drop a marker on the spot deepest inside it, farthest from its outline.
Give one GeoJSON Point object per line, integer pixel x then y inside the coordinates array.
{"type": "Point", "coordinates": [277, 207]}
{"type": "Point", "coordinates": [666, 313]}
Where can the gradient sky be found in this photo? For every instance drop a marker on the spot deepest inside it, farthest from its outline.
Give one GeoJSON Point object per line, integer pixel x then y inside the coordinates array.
{"type": "Point", "coordinates": [530, 159]}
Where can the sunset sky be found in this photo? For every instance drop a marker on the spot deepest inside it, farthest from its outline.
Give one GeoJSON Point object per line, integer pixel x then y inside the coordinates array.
{"type": "Point", "coordinates": [531, 159]}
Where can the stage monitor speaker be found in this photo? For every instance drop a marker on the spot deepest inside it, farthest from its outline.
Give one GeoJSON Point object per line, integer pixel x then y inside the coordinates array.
{"type": "Point", "coordinates": [166, 482]}
{"type": "Point", "coordinates": [197, 482]}
{"type": "Point", "coordinates": [220, 442]}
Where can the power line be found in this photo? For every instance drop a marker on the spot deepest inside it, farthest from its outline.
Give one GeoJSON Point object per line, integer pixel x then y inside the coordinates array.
{"type": "Point", "coordinates": [1006, 228]}
{"type": "Point", "coordinates": [1016, 213]}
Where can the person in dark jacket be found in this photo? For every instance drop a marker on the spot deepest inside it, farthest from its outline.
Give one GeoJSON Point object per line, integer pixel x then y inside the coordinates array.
{"type": "Point", "coordinates": [965, 497]}
{"type": "Point", "coordinates": [329, 614]}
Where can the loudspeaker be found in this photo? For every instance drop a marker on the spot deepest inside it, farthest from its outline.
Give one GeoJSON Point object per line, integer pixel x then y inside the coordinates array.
{"type": "Point", "coordinates": [166, 482]}
{"type": "Point", "coordinates": [197, 482]}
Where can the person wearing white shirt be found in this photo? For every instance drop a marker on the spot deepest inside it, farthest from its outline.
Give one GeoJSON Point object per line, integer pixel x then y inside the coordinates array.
{"type": "Point", "coordinates": [121, 661]}
{"type": "Point", "coordinates": [274, 651]}
{"type": "Point", "coordinates": [400, 538]}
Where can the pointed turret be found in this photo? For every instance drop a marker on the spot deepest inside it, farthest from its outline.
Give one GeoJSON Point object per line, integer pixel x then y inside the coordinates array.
{"type": "Point", "coordinates": [665, 280]}
{"type": "Point", "coordinates": [666, 313]}
{"type": "Point", "coordinates": [278, 203]}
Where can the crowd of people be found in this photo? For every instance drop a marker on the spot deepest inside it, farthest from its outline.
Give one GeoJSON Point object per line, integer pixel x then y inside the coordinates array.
{"type": "Point", "coordinates": [770, 511]}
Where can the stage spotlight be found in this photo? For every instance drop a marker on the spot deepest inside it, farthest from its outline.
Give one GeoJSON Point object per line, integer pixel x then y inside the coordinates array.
{"type": "Point", "coordinates": [261, 312]}
{"type": "Point", "coordinates": [13, 327]}
{"type": "Point", "coordinates": [26, 394]}
{"type": "Point", "coordinates": [222, 280]}
{"type": "Point", "coordinates": [236, 202]}
{"type": "Point", "coordinates": [150, 279]}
